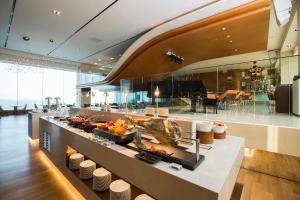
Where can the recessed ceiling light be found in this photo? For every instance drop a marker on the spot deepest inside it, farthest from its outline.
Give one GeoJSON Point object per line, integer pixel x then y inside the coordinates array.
{"type": "Point", "coordinates": [230, 41]}
{"type": "Point", "coordinates": [224, 28]}
{"type": "Point", "coordinates": [55, 12]}
{"type": "Point", "coordinates": [228, 36]}
{"type": "Point", "coordinates": [99, 59]}
{"type": "Point", "coordinates": [26, 38]}
{"type": "Point", "coordinates": [112, 58]}
{"type": "Point", "coordinates": [95, 63]}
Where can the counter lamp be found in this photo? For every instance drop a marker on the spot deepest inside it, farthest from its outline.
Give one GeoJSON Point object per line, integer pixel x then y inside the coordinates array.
{"type": "Point", "coordinates": [126, 95]}
{"type": "Point", "coordinates": [105, 95]}
{"type": "Point", "coordinates": [156, 93]}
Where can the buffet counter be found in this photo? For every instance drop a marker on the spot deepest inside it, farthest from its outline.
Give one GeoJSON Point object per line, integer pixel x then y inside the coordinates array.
{"type": "Point", "coordinates": [272, 137]}
{"type": "Point", "coordinates": [33, 123]}
{"type": "Point", "coordinates": [214, 178]}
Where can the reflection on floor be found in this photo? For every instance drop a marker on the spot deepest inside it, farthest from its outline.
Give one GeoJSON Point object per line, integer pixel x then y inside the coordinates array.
{"type": "Point", "coordinates": [25, 174]}
{"type": "Point", "coordinates": [274, 164]}
{"type": "Point", "coordinates": [258, 186]}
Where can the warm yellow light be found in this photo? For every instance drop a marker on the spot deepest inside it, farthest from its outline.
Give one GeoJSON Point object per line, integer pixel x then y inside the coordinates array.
{"type": "Point", "coordinates": [61, 179]}
{"type": "Point", "coordinates": [106, 94]}
{"type": "Point", "coordinates": [248, 152]}
{"type": "Point", "coordinates": [126, 92]}
{"type": "Point", "coordinates": [34, 144]}
{"type": "Point", "coordinates": [156, 92]}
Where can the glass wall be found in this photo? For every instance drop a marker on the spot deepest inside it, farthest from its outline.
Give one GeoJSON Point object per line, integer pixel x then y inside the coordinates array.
{"type": "Point", "coordinates": [23, 85]}
{"type": "Point", "coordinates": [261, 86]}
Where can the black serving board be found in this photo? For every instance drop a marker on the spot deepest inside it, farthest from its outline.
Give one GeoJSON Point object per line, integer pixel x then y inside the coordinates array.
{"type": "Point", "coordinates": [147, 157]}
{"type": "Point", "coordinates": [187, 159]}
{"type": "Point", "coordinates": [118, 139]}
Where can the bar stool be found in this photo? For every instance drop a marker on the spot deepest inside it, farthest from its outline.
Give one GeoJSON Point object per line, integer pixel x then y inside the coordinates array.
{"type": "Point", "coordinates": [120, 190]}
{"type": "Point", "coordinates": [143, 197]}
{"type": "Point", "coordinates": [75, 160]}
{"type": "Point", "coordinates": [101, 179]}
{"type": "Point", "coordinates": [87, 168]}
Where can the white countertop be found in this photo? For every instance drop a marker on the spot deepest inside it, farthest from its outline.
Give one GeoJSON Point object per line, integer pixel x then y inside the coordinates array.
{"type": "Point", "coordinates": [213, 173]}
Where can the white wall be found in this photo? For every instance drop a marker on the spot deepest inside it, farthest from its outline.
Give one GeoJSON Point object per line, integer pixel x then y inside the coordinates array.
{"type": "Point", "coordinates": [288, 68]}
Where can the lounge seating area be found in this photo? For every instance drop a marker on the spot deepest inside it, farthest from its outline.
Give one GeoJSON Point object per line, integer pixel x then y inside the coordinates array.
{"type": "Point", "coordinates": [15, 111]}
{"type": "Point", "coordinates": [242, 101]}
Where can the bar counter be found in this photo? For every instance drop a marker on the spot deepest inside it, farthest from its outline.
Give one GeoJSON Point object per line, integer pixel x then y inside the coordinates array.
{"type": "Point", "coordinates": [214, 178]}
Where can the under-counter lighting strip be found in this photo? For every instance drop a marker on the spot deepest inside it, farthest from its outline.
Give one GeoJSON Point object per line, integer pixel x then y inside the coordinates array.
{"type": "Point", "coordinates": [60, 178]}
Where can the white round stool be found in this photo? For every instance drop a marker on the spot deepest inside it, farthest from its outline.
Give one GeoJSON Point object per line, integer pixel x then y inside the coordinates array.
{"type": "Point", "coordinates": [101, 179]}
{"type": "Point", "coordinates": [75, 160]}
{"type": "Point", "coordinates": [120, 190]}
{"type": "Point", "coordinates": [143, 197]}
{"type": "Point", "coordinates": [86, 169]}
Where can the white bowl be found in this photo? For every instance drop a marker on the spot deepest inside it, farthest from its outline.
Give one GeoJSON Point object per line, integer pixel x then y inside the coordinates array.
{"type": "Point", "coordinates": [204, 126]}
{"type": "Point", "coordinates": [219, 129]}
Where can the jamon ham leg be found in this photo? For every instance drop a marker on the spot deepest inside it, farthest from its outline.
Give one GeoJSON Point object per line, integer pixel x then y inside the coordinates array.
{"type": "Point", "coordinates": [167, 132]}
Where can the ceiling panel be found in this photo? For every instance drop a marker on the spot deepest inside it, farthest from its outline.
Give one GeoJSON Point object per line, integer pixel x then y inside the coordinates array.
{"type": "Point", "coordinates": [5, 9]}
{"type": "Point", "coordinates": [242, 61]}
{"type": "Point", "coordinates": [276, 32]}
{"type": "Point", "coordinates": [111, 54]}
{"type": "Point", "coordinates": [124, 20]}
{"type": "Point", "coordinates": [33, 18]}
{"type": "Point", "coordinates": [290, 40]}
{"type": "Point", "coordinates": [217, 36]}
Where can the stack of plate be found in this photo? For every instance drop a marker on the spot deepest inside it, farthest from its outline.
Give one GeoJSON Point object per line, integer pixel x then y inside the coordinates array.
{"type": "Point", "coordinates": [101, 179]}
{"type": "Point", "coordinates": [86, 169]}
{"type": "Point", "coordinates": [120, 190]}
{"type": "Point", "coordinates": [75, 160]}
{"type": "Point", "coordinates": [143, 197]}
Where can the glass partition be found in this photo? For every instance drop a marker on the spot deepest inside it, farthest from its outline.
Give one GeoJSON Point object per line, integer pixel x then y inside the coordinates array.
{"type": "Point", "coordinates": [259, 86]}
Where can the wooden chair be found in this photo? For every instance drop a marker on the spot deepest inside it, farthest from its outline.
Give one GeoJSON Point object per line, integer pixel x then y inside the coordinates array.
{"type": "Point", "coordinates": [210, 101]}
{"type": "Point", "coordinates": [229, 99]}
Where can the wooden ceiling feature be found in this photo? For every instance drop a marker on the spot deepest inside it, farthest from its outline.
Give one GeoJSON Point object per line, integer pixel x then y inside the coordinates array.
{"type": "Point", "coordinates": [246, 26]}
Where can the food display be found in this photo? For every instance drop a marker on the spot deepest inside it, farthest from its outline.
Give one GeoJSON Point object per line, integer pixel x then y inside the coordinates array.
{"type": "Point", "coordinates": [119, 127]}
{"type": "Point", "coordinates": [154, 149]}
{"type": "Point", "coordinates": [118, 131]}
{"type": "Point", "coordinates": [166, 131]}
{"type": "Point", "coordinates": [77, 121]}
{"type": "Point", "coordinates": [89, 127]}
{"type": "Point", "coordinates": [219, 130]}
{"type": "Point", "coordinates": [87, 124]}
{"type": "Point", "coordinates": [218, 124]}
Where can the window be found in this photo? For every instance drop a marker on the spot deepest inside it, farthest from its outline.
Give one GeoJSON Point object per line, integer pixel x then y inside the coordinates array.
{"type": "Point", "coordinates": [20, 85]}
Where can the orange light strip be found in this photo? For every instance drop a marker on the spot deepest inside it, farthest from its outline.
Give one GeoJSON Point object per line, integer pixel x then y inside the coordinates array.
{"type": "Point", "coordinates": [61, 179]}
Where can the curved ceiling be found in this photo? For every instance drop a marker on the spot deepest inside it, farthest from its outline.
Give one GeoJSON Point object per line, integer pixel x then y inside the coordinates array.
{"type": "Point", "coordinates": [89, 31]}
{"type": "Point", "coordinates": [240, 30]}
